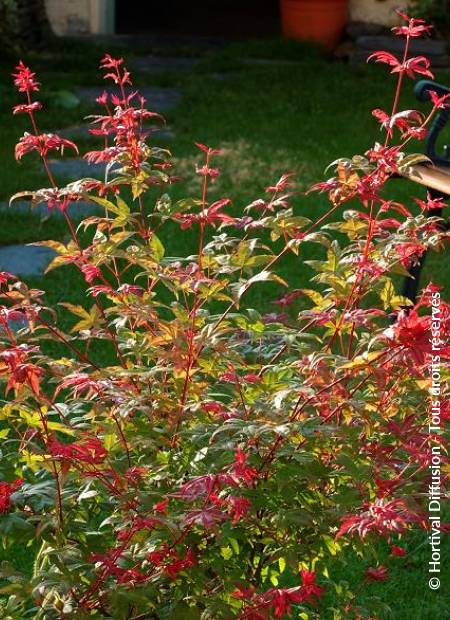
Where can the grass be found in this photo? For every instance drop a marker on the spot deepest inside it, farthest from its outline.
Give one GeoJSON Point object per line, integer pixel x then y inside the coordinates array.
{"type": "Point", "coordinates": [296, 115]}
{"type": "Point", "coordinates": [406, 594]}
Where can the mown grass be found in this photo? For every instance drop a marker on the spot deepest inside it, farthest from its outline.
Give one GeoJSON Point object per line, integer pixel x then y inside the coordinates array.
{"type": "Point", "coordinates": [268, 118]}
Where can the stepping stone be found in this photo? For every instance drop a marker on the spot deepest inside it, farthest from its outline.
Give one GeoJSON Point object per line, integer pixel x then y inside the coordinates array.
{"type": "Point", "coordinates": [160, 64]}
{"type": "Point", "coordinates": [158, 99]}
{"type": "Point", "coordinates": [25, 260]}
{"type": "Point", "coordinates": [425, 47]}
{"type": "Point", "coordinates": [77, 210]}
{"type": "Point", "coordinates": [18, 324]}
{"type": "Point", "coordinates": [221, 77]}
{"type": "Point", "coordinates": [357, 56]}
{"type": "Point", "coordinates": [148, 41]}
{"type": "Point", "coordinates": [162, 133]}
{"type": "Point", "coordinates": [81, 132]}
{"type": "Point", "coordinates": [75, 168]}
{"type": "Point", "coordinates": [15, 325]}
{"type": "Point", "coordinates": [271, 62]}
{"type": "Point", "coordinates": [434, 50]}
{"type": "Point", "coordinates": [76, 132]}
{"type": "Point", "coordinates": [356, 29]}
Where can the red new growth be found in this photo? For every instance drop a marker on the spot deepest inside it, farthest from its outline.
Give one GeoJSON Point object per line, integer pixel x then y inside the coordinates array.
{"type": "Point", "coordinates": [6, 490]}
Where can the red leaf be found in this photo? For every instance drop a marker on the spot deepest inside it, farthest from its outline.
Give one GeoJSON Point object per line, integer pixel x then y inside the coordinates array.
{"type": "Point", "coordinates": [439, 102]}
{"type": "Point", "coordinates": [386, 58]}
{"type": "Point", "coordinates": [419, 65]}
{"type": "Point", "coordinates": [377, 574]}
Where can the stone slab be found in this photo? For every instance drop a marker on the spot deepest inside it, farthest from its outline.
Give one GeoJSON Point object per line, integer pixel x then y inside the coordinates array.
{"type": "Point", "coordinates": [25, 260]}
{"type": "Point", "coordinates": [15, 325]}
{"type": "Point", "coordinates": [361, 29]}
{"type": "Point", "coordinates": [360, 55]}
{"type": "Point", "coordinates": [75, 132]}
{"type": "Point", "coordinates": [425, 47]}
{"type": "Point", "coordinates": [81, 132]}
{"type": "Point", "coordinates": [18, 324]}
{"type": "Point", "coordinates": [158, 99]}
{"type": "Point", "coordinates": [271, 62]}
{"type": "Point", "coordinates": [74, 168]}
{"type": "Point", "coordinates": [162, 133]}
{"type": "Point", "coordinates": [77, 210]}
{"type": "Point", "coordinates": [155, 42]}
{"type": "Point", "coordinates": [161, 64]}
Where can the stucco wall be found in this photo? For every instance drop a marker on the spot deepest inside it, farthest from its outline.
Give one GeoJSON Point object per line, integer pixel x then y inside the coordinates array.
{"type": "Point", "coordinates": [376, 11]}
{"type": "Point", "coordinates": [81, 16]}
{"type": "Point", "coordinates": [69, 16]}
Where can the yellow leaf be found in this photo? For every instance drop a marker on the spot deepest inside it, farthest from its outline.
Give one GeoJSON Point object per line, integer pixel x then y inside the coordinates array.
{"type": "Point", "coordinates": [347, 180]}
{"type": "Point", "coordinates": [88, 318]}
{"type": "Point", "coordinates": [33, 461]}
{"type": "Point", "coordinates": [391, 300]}
{"type": "Point", "coordinates": [362, 360]}
{"type": "Point", "coordinates": [315, 296]}
{"type": "Point", "coordinates": [226, 553]}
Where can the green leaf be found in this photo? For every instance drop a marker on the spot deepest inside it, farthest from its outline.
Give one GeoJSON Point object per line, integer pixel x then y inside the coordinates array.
{"type": "Point", "coordinates": [263, 276]}
{"type": "Point", "coordinates": [157, 247]}
{"type": "Point", "coordinates": [88, 318]}
{"type": "Point", "coordinates": [331, 544]}
{"type": "Point", "coordinates": [103, 202]}
{"type": "Point", "coordinates": [187, 203]}
{"type": "Point", "coordinates": [234, 545]}
{"type": "Point", "coordinates": [123, 212]}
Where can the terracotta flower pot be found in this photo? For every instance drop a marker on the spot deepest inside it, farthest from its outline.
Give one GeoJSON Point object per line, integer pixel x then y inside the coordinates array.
{"type": "Point", "coordinates": [320, 21]}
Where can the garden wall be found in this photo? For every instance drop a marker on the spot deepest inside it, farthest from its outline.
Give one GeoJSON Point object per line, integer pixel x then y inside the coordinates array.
{"type": "Point", "coordinates": [81, 16]}
{"type": "Point", "coordinates": [97, 16]}
{"type": "Point", "coordinates": [375, 11]}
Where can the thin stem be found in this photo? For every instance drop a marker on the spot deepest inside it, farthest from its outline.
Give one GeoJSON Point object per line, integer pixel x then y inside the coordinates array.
{"type": "Point", "coordinates": [398, 89]}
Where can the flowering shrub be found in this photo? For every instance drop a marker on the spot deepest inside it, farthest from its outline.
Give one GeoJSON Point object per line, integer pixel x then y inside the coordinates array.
{"type": "Point", "coordinates": [222, 460]}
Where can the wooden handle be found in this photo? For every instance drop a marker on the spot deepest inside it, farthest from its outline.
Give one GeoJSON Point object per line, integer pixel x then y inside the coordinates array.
{"type": "Point", "coordinates": [432, 177]}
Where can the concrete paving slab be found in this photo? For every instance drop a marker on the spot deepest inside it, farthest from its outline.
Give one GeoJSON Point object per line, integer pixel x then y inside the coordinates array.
{"type": "Point", "coordinates": [25, 260]}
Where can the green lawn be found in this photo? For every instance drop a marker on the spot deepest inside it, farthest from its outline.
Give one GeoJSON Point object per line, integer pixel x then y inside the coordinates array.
{"type": "Point", "coordinates": [269, 118]}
